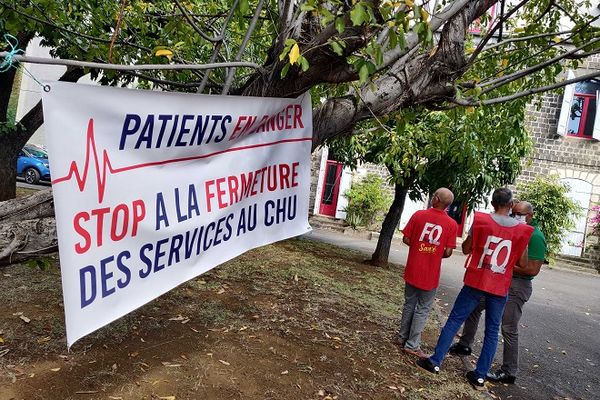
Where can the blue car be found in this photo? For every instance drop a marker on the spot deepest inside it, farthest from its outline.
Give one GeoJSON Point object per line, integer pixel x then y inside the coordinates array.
{"type": "Point", "coordinates": [32, 164]}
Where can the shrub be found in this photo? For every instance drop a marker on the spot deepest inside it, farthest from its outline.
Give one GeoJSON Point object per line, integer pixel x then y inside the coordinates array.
{"type": "Point", "coordinates": [555, 212]}
{"type": "Point", "coordinates": [366, 201]}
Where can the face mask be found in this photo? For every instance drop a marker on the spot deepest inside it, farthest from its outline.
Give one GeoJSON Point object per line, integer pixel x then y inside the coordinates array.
{"type": "Point", "coordinates": [521, 218]}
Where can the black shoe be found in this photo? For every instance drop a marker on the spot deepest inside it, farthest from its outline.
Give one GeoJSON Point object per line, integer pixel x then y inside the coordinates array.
{"type": "Point", "coordinates": [460, 350]}
{"type": "Point", "coordinates": [500, 377]}
{"type": "Point", "coordinates": [426, 363]}
{"type": "Point", "coordinates": [474, 380]}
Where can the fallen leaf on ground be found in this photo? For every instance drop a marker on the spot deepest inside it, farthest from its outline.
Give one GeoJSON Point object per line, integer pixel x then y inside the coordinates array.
{"type": "Point", "coordinates": [44, 339]}
{"type": "Point", "coordinates": [224, 362]}
{"type": "Point", "coordinates": [54, 369]}
{"type": "Point", "coordinates": [170, 365]}
{"type": "Point", "coordinates": [285, 372]}
{"type": "Point", "coordinates": [221, 291]}
{"type": "Point", "coordinates": [86, 392]}
{"type": "Point", "coordinates": [167, 398]}
{"type": "Point", "coordinates": [18, 313]}
{"type": "Point", "coordinates": [243, 328]}
{"type": "Point", "coordinates": [178, 318]}
{"type": "Point", "coordinates": [1, 341]}
{"type": "Point", "coordinates": [115, 398]}
{"type": "Point", "coordinates": [25, 319]}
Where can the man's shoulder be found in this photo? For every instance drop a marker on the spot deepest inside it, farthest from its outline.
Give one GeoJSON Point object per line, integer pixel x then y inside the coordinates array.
{"type": "Point", "coordinates": [537, 232]}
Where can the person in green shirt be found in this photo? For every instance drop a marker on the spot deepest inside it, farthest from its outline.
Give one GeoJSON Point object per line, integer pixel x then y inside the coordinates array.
{"type": "Point", "coordinates": [518, 295]}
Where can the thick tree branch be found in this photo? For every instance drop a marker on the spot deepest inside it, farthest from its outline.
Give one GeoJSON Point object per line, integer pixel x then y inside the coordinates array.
{"type": "Point", "coordinates": [523, 39]}
{"type": "Point", "coordinates": [496, 83]}
{"type": "Point", "coordinates": [412, 40]}
{"type": "Point", "coordinates": [529, 92]}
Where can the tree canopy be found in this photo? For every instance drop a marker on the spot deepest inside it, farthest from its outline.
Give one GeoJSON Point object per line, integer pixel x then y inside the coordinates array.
{"type": "Point", "coordinates": [361, 59]}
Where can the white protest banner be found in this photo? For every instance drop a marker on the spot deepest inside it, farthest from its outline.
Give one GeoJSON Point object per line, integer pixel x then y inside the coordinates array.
{"type": "Point", "coordinates": [152, 189]}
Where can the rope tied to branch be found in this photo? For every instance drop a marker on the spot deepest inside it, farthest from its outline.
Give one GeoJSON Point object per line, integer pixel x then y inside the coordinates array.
{"type": "Point", "coordinates": [9, 58]}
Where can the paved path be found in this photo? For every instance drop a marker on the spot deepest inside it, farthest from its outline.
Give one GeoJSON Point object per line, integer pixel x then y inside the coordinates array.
{"type": "Point", "coordinates": [560, 327]}
{"type": "Point", "coordinates": [39, 186]}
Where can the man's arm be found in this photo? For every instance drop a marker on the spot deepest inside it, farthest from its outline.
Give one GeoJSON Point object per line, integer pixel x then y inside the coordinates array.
{"type": "Point", "coordinates": [406, 240]}
{"type": "Point", "coordinates": [532, 269]}
{"type": "Point", "coordinates": [447, 252]}
{"type": "Point", "coordinates": [523, 260]}
{"type": "Point", "coordinates": [467, 245]}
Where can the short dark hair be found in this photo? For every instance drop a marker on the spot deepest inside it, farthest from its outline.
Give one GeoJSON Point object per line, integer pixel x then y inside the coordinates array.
{"type": "Point", "coordinates": [502, 197]}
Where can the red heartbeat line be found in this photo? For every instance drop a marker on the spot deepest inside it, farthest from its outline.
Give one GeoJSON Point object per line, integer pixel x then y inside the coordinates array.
{"type": "Point", "coordinates": [107, 169]}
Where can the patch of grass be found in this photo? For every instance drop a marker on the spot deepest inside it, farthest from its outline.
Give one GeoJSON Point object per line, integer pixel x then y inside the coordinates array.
{"type": "Point", "coordinates": [22, 192]}
{"type": "Point", "coordinates": [214, 313]}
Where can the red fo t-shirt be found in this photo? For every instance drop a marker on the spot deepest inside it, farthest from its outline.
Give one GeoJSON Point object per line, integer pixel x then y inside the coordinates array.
{"type": "Point", "coordinates": [430, 232]}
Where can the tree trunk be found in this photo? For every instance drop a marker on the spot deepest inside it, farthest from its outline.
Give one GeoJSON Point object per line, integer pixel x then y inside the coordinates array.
{"type": "Point", "coordinates": [8, 169]}
{"type": "Point", "coordinates": [388, 228]}
{"type": "Point", "coordinates": [27, 227]}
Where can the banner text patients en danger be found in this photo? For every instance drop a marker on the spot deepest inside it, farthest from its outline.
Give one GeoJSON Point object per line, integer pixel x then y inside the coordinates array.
{"type": "Point", "coordinates": [168, 130]}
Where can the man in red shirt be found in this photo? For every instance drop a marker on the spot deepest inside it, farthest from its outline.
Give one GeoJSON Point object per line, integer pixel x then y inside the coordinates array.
{"type": "Point", "coordinates": [496, 243]}
{"type": "Point", "coordinates": [431, 236]}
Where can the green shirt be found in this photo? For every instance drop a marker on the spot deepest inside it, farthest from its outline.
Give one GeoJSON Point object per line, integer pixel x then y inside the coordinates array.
{"type": "Point", "coordinates": [536, 249]}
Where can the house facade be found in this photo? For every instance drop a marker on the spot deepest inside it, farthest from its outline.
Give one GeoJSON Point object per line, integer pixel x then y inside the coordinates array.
{"type": "Point", "coordinates": [566, 134]}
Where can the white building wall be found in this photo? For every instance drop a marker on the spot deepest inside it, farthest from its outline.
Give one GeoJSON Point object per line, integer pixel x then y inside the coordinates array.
{"type": "Point", "coordinates": [31, 91]}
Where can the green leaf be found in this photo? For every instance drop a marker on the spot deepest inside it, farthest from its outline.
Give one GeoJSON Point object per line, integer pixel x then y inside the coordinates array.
{"type": "Point", "coordinates": [337, 49]}
{"type": "Point", "coordinates": [363, 73]}
{"type": "Point", "coordinates": [340, 25]}
{"type": "Point", "coordinates": [327, 16]}
{"type": "Point", "coordinates": [244, 6]}
{"type": "Point", "coordinates": [358, 14]}
{"type": "Point", "coordinates": [393, 38]}
{"type": "Point", "coordinates": [401, 38]}
{"type": "Point", "coordinates": [307, 7]}
{"type": "Point", "coordinates": [304, 64]}
{"type": "Point", "coordinates": [285, 70]}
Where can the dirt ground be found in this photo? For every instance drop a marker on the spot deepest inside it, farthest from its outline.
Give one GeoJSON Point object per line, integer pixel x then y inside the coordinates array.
{"type": "Point", "coordinates": [294, 320]}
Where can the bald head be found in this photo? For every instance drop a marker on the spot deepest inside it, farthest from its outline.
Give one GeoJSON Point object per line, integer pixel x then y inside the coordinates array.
{"type": "Point", "coordinates": [442, 198]}
{"type": "Point", "coordinates": [523, 208]}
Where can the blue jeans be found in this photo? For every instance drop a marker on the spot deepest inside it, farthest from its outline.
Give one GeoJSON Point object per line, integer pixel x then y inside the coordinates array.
{"type": "Point", "coordinates": [465, 303]}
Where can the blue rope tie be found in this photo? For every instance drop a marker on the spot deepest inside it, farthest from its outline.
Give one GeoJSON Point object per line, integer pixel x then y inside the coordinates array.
{"type": "Point", "coordinates": [9, 60]}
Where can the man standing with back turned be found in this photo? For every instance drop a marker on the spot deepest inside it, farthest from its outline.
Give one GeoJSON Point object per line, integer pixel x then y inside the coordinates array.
{"type": "Point", "coordinates": [496, 243]}
{"type": "Point", "coordinates": [518, 295]}
{"type": "Point", "coordinates": [431, 236]}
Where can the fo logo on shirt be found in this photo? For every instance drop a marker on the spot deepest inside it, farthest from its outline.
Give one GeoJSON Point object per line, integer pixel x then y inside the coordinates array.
{"type": "Point", "coordinates": [496, 254]}
{"type": "Point", "coordinates": [433, 233]}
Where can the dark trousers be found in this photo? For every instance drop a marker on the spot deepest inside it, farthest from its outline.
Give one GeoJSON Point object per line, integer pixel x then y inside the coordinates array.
{"type": "Point", "coordinates": [468, 299]}
{"type": "Point", "coordinates": [519, 293]}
